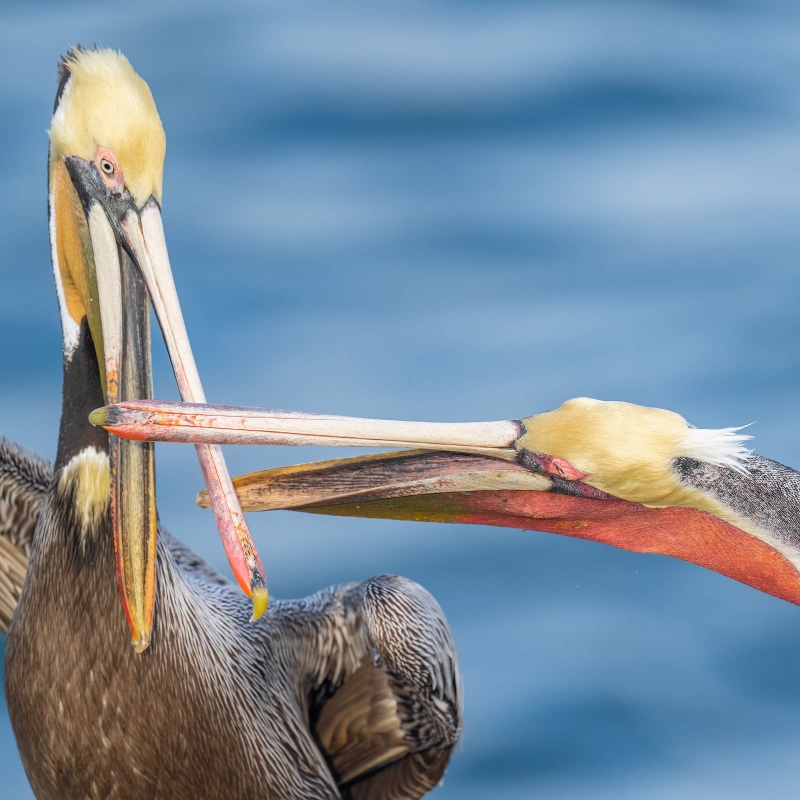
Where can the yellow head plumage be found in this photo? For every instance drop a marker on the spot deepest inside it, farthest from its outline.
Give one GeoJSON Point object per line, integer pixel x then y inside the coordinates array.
{"type": "Point", "coordinates": [629, 450]}
{"type": "Point", "coordinates": [106, 104]}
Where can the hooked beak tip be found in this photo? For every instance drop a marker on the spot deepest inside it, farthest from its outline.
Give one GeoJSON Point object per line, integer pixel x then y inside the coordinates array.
{"type": "Point", "coordinates": [100, 417]}
{"type": "Point", "coordinates": [141, 644]}
{"type": "Point", "coordinates": [260, 602]}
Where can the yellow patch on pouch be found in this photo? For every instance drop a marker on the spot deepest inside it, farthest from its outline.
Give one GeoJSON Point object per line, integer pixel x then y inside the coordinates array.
{"type": "Point", "coordinates": [71, 238]}
{"type": "Point", "coordinates": [88, 478]}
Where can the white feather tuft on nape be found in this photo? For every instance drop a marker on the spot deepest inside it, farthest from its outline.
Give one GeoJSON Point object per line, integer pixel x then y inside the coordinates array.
{"type": "Point", "coordinates": [722, 447]}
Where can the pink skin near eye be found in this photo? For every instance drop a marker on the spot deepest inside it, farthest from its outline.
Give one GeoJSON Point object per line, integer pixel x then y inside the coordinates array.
{"type": "Point", "coordinates": [108, 167]}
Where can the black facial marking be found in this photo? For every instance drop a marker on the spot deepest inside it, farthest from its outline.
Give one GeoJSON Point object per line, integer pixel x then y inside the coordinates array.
{"type": "Point", "coordinates": [91, 188]}
{"type": "Point", "coordinates": [578, 489]}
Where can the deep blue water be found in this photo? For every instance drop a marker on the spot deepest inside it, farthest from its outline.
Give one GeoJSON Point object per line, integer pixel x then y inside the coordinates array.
{"type": "Point", "coordinates": [473, 210]}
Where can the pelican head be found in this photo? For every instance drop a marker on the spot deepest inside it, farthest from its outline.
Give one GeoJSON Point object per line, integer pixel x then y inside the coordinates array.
{"type": "Point", "coordinates": [107, 147]}
{"type": "Point", "coordinates": [638, 478]}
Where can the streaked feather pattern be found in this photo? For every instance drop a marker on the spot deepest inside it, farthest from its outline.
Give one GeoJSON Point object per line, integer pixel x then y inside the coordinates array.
{"type": "Point", "coordinates": [24, 478]}
{"type": "Point", "coordinates": [370, 667]}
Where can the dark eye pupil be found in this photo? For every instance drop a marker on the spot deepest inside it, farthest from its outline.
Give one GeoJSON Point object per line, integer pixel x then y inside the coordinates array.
{"type": "Point", "coordinates": [108, 167]}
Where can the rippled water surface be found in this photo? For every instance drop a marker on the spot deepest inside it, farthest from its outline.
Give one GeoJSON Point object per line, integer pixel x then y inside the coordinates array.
{"type": "Point", "coordinates": [473, 210]}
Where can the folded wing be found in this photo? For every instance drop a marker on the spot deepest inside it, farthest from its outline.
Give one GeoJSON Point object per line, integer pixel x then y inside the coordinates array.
{"type": "Point", "coordinates": [24, 477]}
{"type": "Point", "coordinates": [385, 700]}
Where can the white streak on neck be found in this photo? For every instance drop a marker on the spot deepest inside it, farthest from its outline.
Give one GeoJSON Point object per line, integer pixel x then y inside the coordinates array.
{"type": "Point", "coordinates": [70, 330]}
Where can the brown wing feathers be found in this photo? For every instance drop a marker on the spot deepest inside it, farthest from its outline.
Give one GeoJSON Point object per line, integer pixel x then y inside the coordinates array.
{"type": "Point", "coordinates": [24, 478]}
{"type": "Point", "coordinates": [360, 727]}
{"type": "Point", "coordinates": [371, 737]}
{"type": "Point", "coordinates": [388, 730]}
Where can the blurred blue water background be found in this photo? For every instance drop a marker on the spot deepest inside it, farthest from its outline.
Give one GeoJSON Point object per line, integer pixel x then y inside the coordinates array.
{"type": "Point", "coordinates": [472, 210]}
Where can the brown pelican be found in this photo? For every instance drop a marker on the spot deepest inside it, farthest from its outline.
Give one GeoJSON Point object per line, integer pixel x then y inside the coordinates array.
{"type": "Point", "coordinates": [642, 479]}
{"type": "Point", "coordinates": [353, 692]}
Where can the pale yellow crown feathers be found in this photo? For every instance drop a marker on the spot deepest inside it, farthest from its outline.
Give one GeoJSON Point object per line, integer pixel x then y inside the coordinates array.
{"type": "Point", "coordinates": [629, 450]}
{"type": "Point", "coordinates": [106, 104]}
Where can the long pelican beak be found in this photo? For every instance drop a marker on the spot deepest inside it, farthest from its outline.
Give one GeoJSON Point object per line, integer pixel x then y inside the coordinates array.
{"type": "Point", "coordinates": [590, 469]}
{"type": "Point", "coordinates": [127, 262]}
{"type": "Point", "coordinates": [120, 325]}
{"type": "Point", "coordinates": [159, 421]}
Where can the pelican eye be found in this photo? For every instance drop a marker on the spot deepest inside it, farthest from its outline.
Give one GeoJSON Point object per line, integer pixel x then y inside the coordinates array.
{"type": "Point", "coordinates": [106, 166]}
